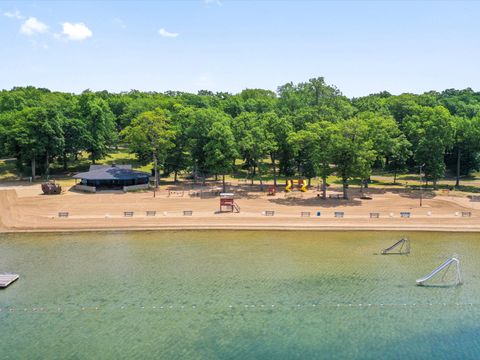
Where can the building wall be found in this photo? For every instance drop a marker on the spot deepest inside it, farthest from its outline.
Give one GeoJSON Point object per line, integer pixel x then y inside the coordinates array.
{"type": "Point", "coordinates": [115, 183]}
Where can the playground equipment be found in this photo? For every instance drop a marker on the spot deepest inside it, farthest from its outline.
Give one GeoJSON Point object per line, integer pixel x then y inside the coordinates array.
{"type": "Point", "coordinates": [445, 266]}
{"type": "Point", "coordinates": [272, 190]}
{"type": "Point", "coordinates": [301, 185]}
{"type": "Point", "coordinates": [50, 188]}
{"type": "Point", "coordinates": [228, 204]}
{"type": "Point", "coordinates": [289, 186]}
{"type": "Point", "coordinates": [404, 247]}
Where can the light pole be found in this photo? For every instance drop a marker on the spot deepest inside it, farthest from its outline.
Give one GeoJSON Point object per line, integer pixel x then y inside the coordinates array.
{"type": "Point", "coordinates": [420, 175]}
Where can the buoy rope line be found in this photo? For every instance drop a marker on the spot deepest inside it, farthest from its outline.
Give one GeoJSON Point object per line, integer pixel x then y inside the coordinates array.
{"type": "Point", "coordinates": [220, 307]}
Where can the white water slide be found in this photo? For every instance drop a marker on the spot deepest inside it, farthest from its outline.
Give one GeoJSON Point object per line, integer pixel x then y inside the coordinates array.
{"type": "Point", "coordinates": [445, 266]}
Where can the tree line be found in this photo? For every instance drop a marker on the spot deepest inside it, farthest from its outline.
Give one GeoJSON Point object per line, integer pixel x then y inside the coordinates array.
{"type": "Point", "coordinates": [307, 129]}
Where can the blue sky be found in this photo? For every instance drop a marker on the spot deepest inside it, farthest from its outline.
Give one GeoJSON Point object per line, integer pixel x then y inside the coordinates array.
{"type": "Point", "coordinates": [361, 47]}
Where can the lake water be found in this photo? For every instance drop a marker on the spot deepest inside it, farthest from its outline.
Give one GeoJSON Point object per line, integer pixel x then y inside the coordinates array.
{"type": "Point", "coordinates": [236, 295]}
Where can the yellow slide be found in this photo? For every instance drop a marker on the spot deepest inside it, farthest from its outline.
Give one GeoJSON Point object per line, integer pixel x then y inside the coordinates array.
{"type": "Point", "coordinates": [304, 187]}
{"type": "Point", "coordinates": [288, 188]}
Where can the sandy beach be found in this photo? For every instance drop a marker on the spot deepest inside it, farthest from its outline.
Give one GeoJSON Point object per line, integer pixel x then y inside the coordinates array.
{"type": "Point", "coordinates": [24, 208]}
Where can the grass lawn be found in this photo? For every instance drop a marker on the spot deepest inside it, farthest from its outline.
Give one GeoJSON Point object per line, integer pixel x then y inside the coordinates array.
{"type": "Point", "coordinates": [121, 156]}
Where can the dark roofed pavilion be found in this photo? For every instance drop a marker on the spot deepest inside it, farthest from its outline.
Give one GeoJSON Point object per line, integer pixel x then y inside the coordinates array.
{"type": "Point", "coordinates": [112, 176]}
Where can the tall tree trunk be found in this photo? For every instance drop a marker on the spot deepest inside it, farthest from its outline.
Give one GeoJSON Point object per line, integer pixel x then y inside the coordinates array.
{"type": "Point", "coordinates": [223, 183]}
{"type": "Point", "coordinates": [394, 177]}
{"type": "Point", "coordinates": [309, 182]}
{"type": "Point", "coordinates": [345, 185]}
{"type": "Point", "coordinates": [260, 176]}
{"type": "Point", "coordinates": [155, 167]}
{"type": "Point", "coordinates": [324, 187]}
{"type": "Point", "coordinates": [33, 167]}
{"type": "Point", "coordinates": [216, 177]}
{"type": "Point", "coordinates": [175, 176]}
{"type": "Point", "coordinates": [64, 158]}
{"type": "Point", "coordinates": [457, 183]}
{"type": "Point", "coordinates": [195, 173]}
{"type": "Point", "coordinates": [47, 166]}
{"type": "Point", "coordinates": [272, 157]}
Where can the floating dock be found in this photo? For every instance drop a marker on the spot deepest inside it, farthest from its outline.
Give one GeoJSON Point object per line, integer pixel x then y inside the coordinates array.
{"type": "Point", "coordinates": [7, 279]}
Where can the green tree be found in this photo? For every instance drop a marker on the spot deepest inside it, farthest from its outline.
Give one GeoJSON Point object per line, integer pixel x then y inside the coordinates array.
{"type": "Point", "coordinates": [465, 140]}
{"type": "Point", "coordinates": [198, 130]}
{"type": "Point", "coordinates": [316, 142]}
{"type": "Point", "coordinates": [76, 137]}
{"type": "Point", "coordinates": [430, 130]}
{"type": "Point", "coordinates": [398, 156]}
{"type": "Point", "coordinates": [352, 150]}
{"type": "Point", "coordinates": [179, 157]}
{"type": "Point", "coordinates": [220, 149]}
{"type": "Point", "coordinates": [150, 134]}
{"type": "Point", "coordinates": [100, 125]}
{"type": "Point", "coordinates": [255, 140]}
{"type": "Point", "coordinates": [36, 133]}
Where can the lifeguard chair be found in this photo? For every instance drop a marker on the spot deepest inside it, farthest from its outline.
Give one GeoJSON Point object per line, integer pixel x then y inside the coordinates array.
{"type": "Point", "coordinates": [227, 203]}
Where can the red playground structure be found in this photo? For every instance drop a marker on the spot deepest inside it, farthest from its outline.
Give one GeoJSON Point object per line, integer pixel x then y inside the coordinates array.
{"type": "Point", "coordinates": [228, 204]}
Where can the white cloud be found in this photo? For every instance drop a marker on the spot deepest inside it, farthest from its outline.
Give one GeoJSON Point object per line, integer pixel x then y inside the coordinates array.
{"type": "Point", "coordinates": [32, 26]}
{"type": "Point", "coordinates": [76, 32]}
{"type": "Point", "coordinates": [14, 14]}
{"type": "Point", "coordinates": [165, 33]}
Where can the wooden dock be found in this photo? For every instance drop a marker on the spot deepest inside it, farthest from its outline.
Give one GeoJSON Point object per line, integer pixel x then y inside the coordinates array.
{"type": "Point", "coordinates": [7, 279]}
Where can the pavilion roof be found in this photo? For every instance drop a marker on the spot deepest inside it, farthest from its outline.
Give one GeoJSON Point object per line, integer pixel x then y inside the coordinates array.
{"type": "Point", "coordinates": [111, 172]}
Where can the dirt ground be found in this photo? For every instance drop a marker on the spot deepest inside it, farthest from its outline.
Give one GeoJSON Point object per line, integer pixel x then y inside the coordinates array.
{"type": "Point", "coordinates": [24, 208]}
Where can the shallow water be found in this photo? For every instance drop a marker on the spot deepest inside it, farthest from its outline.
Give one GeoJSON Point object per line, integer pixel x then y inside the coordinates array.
{"type": "Point", "coordinates": [236, 295]}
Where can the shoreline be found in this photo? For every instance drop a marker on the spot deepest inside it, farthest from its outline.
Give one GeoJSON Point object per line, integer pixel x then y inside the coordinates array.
{"type": "Point", "coordinates": [24, 210]}
{"type": "Point", "coordinates": [288, 228]}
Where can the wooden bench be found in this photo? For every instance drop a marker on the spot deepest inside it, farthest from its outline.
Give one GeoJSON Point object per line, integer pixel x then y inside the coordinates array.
{"type": "Point", "coordinates": [269, 213]}
{"type": "Point", "coordinates": [187, 212]}
{"type": "Point", "coordinates": [63, 214]}
{"type": "Point", "coordinates": [339, 214]}
{"type": "Point", "coordinates": [128, 213]}
{"type": "Point", "coordinates": [175, 193]}
{"type": "Point", "coordinates": [374, 215]}
{"type": "Point", "coordinates": [305, 214]}
{"type": "Point", "coordinates": [151, 213]}
{"type": "Point", "coordinates": [404, 214]}
{"type": "Point", "coordinates": [466, 214]}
